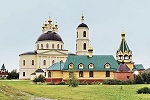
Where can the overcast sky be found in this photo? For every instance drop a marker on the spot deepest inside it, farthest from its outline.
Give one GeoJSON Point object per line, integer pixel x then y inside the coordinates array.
{"type": "Point", "coordinates": [21, 22]}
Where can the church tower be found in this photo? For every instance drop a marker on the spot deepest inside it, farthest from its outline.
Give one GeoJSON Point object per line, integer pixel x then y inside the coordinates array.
{"type": "Point", "coordinates": [82, 41]}
{"type": "Point", "coordinates": [124, 54]}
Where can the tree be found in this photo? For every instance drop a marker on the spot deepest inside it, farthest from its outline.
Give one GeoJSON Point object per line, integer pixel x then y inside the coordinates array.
{"type": "Point", "coordinates": [40, 78]}
{"type": "Point", "coordinates": [13, 75]}
{"type": "Point", "coordinates": [138, 79]}
{"type": "Point", "coordinates": [72, 81]}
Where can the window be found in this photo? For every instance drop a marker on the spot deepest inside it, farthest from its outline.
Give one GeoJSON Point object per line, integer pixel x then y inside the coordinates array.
{"type": "Point", "coordinates": [128, 77]}
{"type": "Point", "coordinates": [24, 73]}
{"type": "Point", "coordinates": [47, 45]}
{"type": "Point", "coordinates": [61, 47]}
{"type": "Point", "coordinates": [41, 46]}
{"type": "Point", "coordinates": [32, 62]}
{"type": "Point", "coordinates": [49, 74]}
{"type": "Point", "coordinates": [91, 74]}
{"type": "Point", "coordinates": [107, 65]}
{"type": "Point", "coordinates": [53, 61]}
{"type": "Point", "coordinates": [120, 57]}
{"type": "Point", "coordinates": [57, 46]}
{"type": "Point", "coordinates": [45, 73]}
{"type": "Point", "coordinates": [126, 57]}
{"type": "Point", "coordinates": [44, 62]}
{"type": "Point", "coordinates": [107, 74]}
{"type": "Point", "coordinates": [130, 57]}
{"type": "Point", "coordinates": [24, 63]}
{"type": "Point", "coordinates": [37, 46]}
{"type": "Point", "coordinates": [71, 65]}
{"type": "Point", "coordinates": [84, 46]}
{"type": "Point", "coordinates": [52, 46]}
{"type": "Point", "coordinates": [76, 47]}
{"type": "Point", "coordinates": [77, 34]}
{"type": "Point", "coordinates": [84, 33]}
{"type": "Point", "coordinates": [91, 65]}
{"type": "Point", "coordinates": [81, 74]}
{"type": "Point", "coordinates": [80, 66]}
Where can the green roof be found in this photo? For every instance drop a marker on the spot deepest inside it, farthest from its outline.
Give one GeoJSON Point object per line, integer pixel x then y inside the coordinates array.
{"type": "Point", "coordinates": [98, 61]}
{"type": "Point", "coordinates": [123, 46]}
{"type": "Point", "coordinates": [3, 67]}
{"type": "Point", "coordinates": [56, 66]}
{"type": "Point", "coordinates": [138, 67]}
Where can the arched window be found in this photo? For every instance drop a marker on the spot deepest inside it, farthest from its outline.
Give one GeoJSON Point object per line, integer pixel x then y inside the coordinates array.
{"type": "Point", "coordinates": [24, 62]}
{"type": "Point", "coordinates": [47, 45]}
{"type": "Point", "coordinates": [61, 47]}
{"type": "Point", "coordinates": [107, 65]}
{"type": "Point", "coordinates": [37, 46]}
{"type": "Point", "coordinates": [41, 46]}
{"type": "Point", "coordinates": [32, 62]}
{"type": "Point", "coordinates": [91, 74]}
{"type": "Point", "coordinates": [57, 46]}
{"type": "Point", "coordinates": [76, 47]}
{"type": "Point", "coordinates": [49, 74]}
{"type": "Point", "coordinates": [44, 62]}
{"type": "Point", "coordinates": [53, 61]}
{"type": "Point", "coordinates": [80, 66]}
{"type": "Point", "coordinates": [120, 57]}
{"type": "Point", "coordinates": [130, 57]}
{"type": "Point", "coordinates": [52, 46]}
{"type": "Point", "coordinates": [71, 65]}
{"type": "Point", "coordinates": [81, 74]}
{"type": "Point", "coordinates": [77, 34]}
{"type": "Point", "coordinates": [91, 65]}
{"type": "Point", "coordinates": [24, 74]}
{"type": "Point", "coordinates": [84, 33]}
{"type": "Point", "coordinates": [84, 46]}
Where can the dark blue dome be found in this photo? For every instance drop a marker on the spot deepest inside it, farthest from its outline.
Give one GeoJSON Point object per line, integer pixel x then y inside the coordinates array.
{"type": "Point", "coordinates": [83, 25]}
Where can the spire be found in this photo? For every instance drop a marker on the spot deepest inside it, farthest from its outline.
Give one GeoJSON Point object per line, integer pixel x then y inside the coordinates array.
{"type": "Point", "coordinates": [3, 67]}
{"type": "Point", "coordinates": [82, 18]}
{"type": "Point", "coordinates": [50, 20]}
{"type": "Point", "coordinates": [123, 35]}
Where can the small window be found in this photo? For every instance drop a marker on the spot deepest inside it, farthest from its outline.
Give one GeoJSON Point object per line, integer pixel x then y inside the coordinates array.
{"type": "Point", "coordinates": [128, 77]}
{"type": "Point", "coordinates": [107, 65]}
{"type": "Point", "coordinates": [44, 62]}
{"type": "Point", "coordinates": [45, 73]}
{"type": "Point", "coordinates": [57, 46]}
{"type": "Point", "coordinates": [53, 61]}
{"type": "Point", "coordinates": [91, 65]}
{"type": "Point", "coordinates": [37, 46]}
{"type": "Point", "coordinates": [52, 46]}
{"type": "Point", "coordinates": [24, 63]}
{"type": "Point", "coordinates": [91, 74]}
{"type": "Point", "coordinates": [76, 47]}
{"type": "Point", "coordinates": [126, 57]}
{"type": "Point", "coordinates": [120, 57]}
{"type": "Point", "coordinates": [77, 34]}
{"type": "Point", "coordinates": [107, 73]}
{"type": "Point", "coordinates": [84, 33]}
{"type": "Point", "coordinates": [84, 46]}
{"type": "Point", "coordinates": [41, 46]}
{"type": "Point", "coordinates": [71, 65]}
{"type": "Point", "coordinates": [47, 45]}
{"type": "Point", "coordinates": [81, 66]}
{"type": "Point", "coordinates": [32, 62]}
{"type": "Point", "coordinates": [49, 74]}
{"type": "Point", "coordinates": [24, 73]}
{"type": "Point", "coordinates": [81, 74]}
{"type": "Point", "coordinates": [61, 47]}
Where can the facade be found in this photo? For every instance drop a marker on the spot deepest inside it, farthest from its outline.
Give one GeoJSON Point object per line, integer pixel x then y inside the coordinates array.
{"type": "Point", "coordinates": [53, 61]}
{"type": "Point", "coordinates": [3, 72]}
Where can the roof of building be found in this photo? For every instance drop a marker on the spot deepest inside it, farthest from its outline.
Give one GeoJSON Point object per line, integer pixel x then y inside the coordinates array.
{"type": "Point", "coordinates": [29, 53]}
{"type": "Point", "coordinates": [3, 67]}
{"type": "Point", "coordinates": [123, 68]}
{"type": "Point", "coordinates": [147, 70]}
{"type": "Point", "coordinates": [49, 36]}
{"type": "Point", "coordinates": [138, 67]}
{"type": "Point", "coordinates": [98, 61]}
{"type": "Point", "coordinates": [39, 70]}
{"type": "Point", "coordinates": [123, 46]}
{"type": "Point", "coordinates": [57, 66]}
{"type": "Point", "coordinates": [33, 73]}
{"type": "Point", "coordinates": [82, 25]}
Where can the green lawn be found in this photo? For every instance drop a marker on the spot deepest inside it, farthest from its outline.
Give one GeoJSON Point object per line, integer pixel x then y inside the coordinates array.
{"type": "Point", "coordinates": [26, 90]}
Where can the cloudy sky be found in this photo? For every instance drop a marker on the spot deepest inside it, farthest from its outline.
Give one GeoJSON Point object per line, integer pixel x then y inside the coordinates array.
{"type": "Point", "coordinates": [21, 22]}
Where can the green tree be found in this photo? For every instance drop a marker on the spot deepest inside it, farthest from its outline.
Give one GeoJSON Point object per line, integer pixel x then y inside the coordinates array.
{"type": "Point", "coordinates": [72, 81]}
{"type": "Point", "coordinates": [13, 75]}
{"type": "Point", "coordinates": [138, 79]}
{"type": "Point", "coordinates": [40, 78]}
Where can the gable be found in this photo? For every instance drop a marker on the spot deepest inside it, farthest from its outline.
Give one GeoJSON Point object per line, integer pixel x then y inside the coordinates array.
{"type": "Point", "coordinates": [53, 52]}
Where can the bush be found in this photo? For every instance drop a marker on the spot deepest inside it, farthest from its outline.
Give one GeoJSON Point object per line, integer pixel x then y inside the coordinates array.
{"type": "Point", "coordinates": [61, 83]}
{"type": "Point", "coordinates": [144, 90]}
{"type": "Point", "coordinates": [138, 79]}
{"type": "Point", "coordinates": [117, 82]}
{"type": "Point", "coordinates": [40, 78]}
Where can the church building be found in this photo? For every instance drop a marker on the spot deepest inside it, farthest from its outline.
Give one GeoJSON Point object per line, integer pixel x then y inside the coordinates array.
{"type": "Point", "coordinates": [53, 61]}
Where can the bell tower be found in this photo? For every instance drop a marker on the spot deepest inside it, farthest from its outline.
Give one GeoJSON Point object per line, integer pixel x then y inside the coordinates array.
{"type": "Point", "coordinates": [82, 41]}
{"type": "Point", "coordinates": [124, 54]}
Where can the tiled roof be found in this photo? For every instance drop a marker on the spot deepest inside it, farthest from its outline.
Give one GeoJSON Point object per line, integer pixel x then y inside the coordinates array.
{"type": "Point", "coordinates": [123, 46]}
{"type": "Point", "coordinates": [138, 67]}
{"type": "Point", "coordinates": [57, 66]}
{"type": "Point", "coordinates": [123, 68]}
{"type": "Point", "coordinates": [99, 62]}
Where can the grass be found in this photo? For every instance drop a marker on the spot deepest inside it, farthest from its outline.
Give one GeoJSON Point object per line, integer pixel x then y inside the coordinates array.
{"type": "Point", "coordinates": [63, 92]}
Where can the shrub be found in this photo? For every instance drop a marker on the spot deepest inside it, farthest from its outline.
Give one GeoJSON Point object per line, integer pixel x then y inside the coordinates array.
{"type": "Point", "coordinates": [61, 83]}
{"type": "Point", "coordinates": [144, 90]}
{"type": "Point", "coordinates": [40, 78]}
{"type": "Point", "coordinates": [117, 82]}
{"type": "Point", "coordinates": [138, 79]}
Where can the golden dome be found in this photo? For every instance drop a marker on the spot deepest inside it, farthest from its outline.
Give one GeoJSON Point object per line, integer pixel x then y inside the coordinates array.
{"type": "Point", "coordinates": [90, 48]}
{"type": "Point", "coordinates": [49, 19]}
